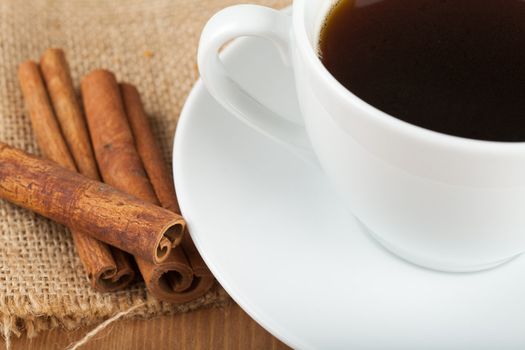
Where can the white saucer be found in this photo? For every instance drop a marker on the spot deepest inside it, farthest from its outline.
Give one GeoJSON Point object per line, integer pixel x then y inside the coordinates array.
{"type": "Point", "coordinates": [276, 237]}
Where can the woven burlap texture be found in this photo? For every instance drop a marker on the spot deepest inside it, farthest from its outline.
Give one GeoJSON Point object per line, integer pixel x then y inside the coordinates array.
{"type": "Point", "coordinates": [151, 43]}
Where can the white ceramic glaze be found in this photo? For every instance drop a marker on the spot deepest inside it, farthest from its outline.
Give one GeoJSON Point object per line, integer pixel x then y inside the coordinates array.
{"type": "Point", "coordinates": [280, 241]}
{"type": "Point", "coordinates": [445, 202]}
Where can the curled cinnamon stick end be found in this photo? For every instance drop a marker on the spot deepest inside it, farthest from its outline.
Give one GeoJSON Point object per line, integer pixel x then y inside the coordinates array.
{"type": "Point", "coordinates": [161, 180]}
{"type": "Point", "coordinates": [108, 269]}
{"type": "Point", "coordinates": [198, 287]}
{"type": "Point", "coordinates": [85, 205]}
{"type": "Point", "coordinates": [166, 280]}
{"type": "Point", "coordinates": [114, 146]}
{"type": "Point", "coordinates": [104, 271]}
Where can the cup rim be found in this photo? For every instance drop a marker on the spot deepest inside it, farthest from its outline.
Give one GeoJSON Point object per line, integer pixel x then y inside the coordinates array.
{"type": "Point", "coordinates": [308, 52]}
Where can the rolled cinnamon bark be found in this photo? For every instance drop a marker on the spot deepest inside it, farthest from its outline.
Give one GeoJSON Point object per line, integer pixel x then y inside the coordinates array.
{"type": "Point", "coordinates": [121, 166]}
{"type": "Point", "coordinates": [67, 110]}
{"type": "Point", "coordinates": [57, 77]}
{"type": "Point", "coordinates": [161, 180]}
{"type": "Point", "coordinates": [165, 281]}
{"type": "Point", "coordinates": [106, 271]}
{"type": "Point", "coordinates": [88, 206]}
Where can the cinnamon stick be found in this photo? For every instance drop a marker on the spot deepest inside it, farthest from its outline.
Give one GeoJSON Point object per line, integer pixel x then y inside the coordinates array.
{"type": "Point", "coordinates": [162, 183]}
{"type": "Point", "coordinates": [57, 77]}
{"type": "Point", "coordinates": [67, 110]}
{"type": "Point", "coordinates": [171, 273]}
{"type": "Point", "coordinates": [121, 166]}
{"type": "Point", "coordinates": [106, 272]}
{"type": "Point", "coordinates": [91, 207]}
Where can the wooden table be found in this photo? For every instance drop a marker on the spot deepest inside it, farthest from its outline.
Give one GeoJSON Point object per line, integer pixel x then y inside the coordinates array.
{"type": "Point", "coordinates": [226, 328]}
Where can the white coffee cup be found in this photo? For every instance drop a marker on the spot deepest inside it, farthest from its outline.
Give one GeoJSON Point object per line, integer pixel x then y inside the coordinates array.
{"type": "Point", "coordinates": [440, 201]}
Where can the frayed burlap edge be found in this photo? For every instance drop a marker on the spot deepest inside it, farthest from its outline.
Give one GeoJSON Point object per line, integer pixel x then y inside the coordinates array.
{"type": "Point", "coordinates": [25, 322]}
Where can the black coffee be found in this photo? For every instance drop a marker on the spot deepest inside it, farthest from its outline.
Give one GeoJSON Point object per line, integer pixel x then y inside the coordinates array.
{"type": "Point", "coordinates": [453, 66]}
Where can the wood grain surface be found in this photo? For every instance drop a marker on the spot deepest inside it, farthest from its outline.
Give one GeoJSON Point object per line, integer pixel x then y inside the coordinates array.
{"type": "Point", "coordinates": [224, 328]}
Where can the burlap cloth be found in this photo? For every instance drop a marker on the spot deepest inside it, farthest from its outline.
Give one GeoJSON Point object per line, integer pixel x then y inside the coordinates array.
{"type": "Point", "coordinates": [149, 43]}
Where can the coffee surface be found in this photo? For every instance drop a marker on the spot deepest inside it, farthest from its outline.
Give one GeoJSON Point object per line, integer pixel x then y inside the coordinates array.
{"type": "Point", "coordinates": [452, 66]}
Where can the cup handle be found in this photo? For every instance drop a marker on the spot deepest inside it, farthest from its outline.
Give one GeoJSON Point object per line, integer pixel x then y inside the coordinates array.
{"type": "Point", "coordinates": [249, 20]}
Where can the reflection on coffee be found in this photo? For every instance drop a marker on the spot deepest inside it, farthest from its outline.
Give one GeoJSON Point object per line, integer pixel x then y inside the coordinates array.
{"type": "Point", "coordinates": [453, 66]}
